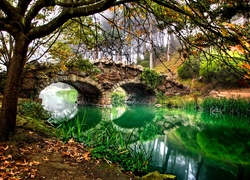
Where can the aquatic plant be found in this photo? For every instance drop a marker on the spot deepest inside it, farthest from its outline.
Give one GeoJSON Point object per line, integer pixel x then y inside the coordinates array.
{"type": "Point", "coordinates": [77, 126]}
{"type": "Point", "coordinates": [109, 143]}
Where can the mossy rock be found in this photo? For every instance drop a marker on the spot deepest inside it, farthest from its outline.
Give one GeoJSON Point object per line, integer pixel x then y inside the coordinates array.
{"type": "Point", "coordinates": [34, 125]}
{"type": "Point", "coordinates": [157, 176]}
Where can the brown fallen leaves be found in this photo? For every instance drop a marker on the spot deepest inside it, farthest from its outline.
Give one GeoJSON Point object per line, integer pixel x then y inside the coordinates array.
{"type": "Point", "coordinates": [15, 162]}
{"type": "Point", "coordinates": [10, 169]}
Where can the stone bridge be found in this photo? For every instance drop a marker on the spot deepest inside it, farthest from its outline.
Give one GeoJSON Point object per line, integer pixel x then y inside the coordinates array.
{"type": "Point", "coordinates": [97, 89]}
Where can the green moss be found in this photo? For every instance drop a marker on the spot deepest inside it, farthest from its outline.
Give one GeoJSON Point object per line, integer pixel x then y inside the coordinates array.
{"type": "Point", "coordinates": [157, 176]}
{"type": "Point", "coordinates": [38, 126]}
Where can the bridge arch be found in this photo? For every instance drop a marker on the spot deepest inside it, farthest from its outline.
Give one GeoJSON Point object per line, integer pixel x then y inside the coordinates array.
{"type": "Point", "coordinates": [137, 91]}
{"type": "Point", "coordinates": [89, 91]}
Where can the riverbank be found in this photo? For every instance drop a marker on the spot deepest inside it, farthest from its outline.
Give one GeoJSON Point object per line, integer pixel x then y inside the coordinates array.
{"type": "Point", "coordinates": [30, 155]}
{"type": "Point", "coordinates": [34, 152]}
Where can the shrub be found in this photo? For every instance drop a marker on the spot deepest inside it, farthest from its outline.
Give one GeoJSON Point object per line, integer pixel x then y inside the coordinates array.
{"type": "Point", "coordinates": [151, 78]}
{"type": "Point", "coordinates": [83, 65]}
{"type": "Point", "coordinates": [188, 70]}
{"type": "Point", "coordinates": [225, 68]}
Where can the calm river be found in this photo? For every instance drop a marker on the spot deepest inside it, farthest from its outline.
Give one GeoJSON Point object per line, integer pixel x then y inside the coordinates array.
{"type": "Point", "coordinates": [190, 144]}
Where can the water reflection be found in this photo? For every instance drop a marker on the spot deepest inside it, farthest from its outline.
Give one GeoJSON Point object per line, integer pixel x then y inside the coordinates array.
{"type": "Point", "coordinates": [134, 116]}
{"type": "Point", "coordinates": [60, 100]}
{"type": "Point", "coordinates": [191, 145]}
{"type": "Point", "coordinates": [169, 156]}
{"type": "Point", "coordinates": [204, 148]}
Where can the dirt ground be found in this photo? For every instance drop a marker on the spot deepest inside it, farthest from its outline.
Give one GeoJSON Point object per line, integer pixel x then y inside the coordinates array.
{"type": "Point", "coordinates": [232, 93]}
{"type": "Point", "coordinates": [30, 156]}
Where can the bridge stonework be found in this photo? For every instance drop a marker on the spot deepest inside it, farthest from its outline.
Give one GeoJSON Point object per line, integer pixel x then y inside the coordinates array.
{"type": "Point", "coordinates": [97, 89]}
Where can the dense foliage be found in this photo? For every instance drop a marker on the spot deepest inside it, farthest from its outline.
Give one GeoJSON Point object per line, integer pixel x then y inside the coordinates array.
{"type": "Point", "coordinates": [151, 78]}
{"type": "Point", "coordinates": [82, 65]}
{"type": "Point", "coordinates": [189, 69]}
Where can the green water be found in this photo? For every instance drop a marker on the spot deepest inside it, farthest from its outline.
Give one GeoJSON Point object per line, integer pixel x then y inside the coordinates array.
{"type": "Point", "coordinates": [189, 144]}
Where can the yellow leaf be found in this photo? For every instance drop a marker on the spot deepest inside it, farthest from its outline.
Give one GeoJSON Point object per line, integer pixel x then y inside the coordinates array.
{"type": "Point", "coordinates": [46, 159]}
{"type": "Point", "coordinates": [224, 32]}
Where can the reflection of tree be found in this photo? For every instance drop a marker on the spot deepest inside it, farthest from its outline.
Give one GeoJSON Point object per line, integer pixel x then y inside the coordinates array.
{"type": "Point", "coordinates": [243, 172]}
{"type": "Point", "coordinates": [217, 143]}
{"type": "Point", "coordinates": [149, 131]}
{"type": "Point", "coordinates": [200, 164]}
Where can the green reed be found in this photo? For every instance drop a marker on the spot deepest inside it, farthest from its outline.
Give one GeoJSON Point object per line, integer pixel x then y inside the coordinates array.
{"type": "Point", "coordinates": [232, 106]}
{"type": "Point", "coordinates": [107, 143]}
{"type": "Point", "coordinates": [110, 144]}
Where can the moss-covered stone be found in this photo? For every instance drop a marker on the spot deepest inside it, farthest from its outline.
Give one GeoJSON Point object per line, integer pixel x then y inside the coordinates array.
{"type": "Point", "coordinates": [34, 125]}
{"type": "Point", "coordinates": [157, 176]}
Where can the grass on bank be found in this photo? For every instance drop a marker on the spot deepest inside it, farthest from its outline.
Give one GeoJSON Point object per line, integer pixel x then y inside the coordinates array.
{"type": "Point", "coordinates": [106, 142]}
{"type": "Point", "coordinates": [231, 106]}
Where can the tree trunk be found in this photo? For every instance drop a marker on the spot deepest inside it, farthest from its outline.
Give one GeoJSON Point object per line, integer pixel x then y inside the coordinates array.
{"type": "Point", "coordinates": [151, 51]}
{"type": "Point", "coordinates": [10, 98]}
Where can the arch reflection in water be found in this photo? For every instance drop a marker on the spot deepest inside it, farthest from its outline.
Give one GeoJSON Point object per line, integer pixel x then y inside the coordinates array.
{"type": "Point", "coordinates": [60, 100]}
{"type": "Point", "coordinates": [87, 117]}
{"type": "Point", "coordinates": [133, 116]}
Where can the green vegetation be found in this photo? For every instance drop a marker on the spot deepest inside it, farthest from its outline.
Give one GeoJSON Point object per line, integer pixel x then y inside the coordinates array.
{"type": "Point", "coordinates": [33, 110]}
{"type": "Point", "coordinates": [189, 69]}
{"type": "Point", "coordinates": [106, 143]}
{"type": "Point", "coordinates": [161, 98]}
{"type": "Point", "coordinates": [69, 95]}
{"type": "Point", "coordinates": [83, 65]}
{"type": "Point", "coordinates": [213, 67]}
{"type": "Point", "coordinates": [118, 98]}
{"type": "Point", "coordinates": [88, 117]}
{"type": "Point", "coordinates": [180, 101]}
{"type": "Point", "coordinates": [110, 144]}
{"type": "Point", "coordinates": [151, 78]}
{"type": "Point", "coordinates": [32, 116]}
{"type": "Point", "coordinates": [239, 106]}
{"type": "Point", "coordinates": [226, 68]}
